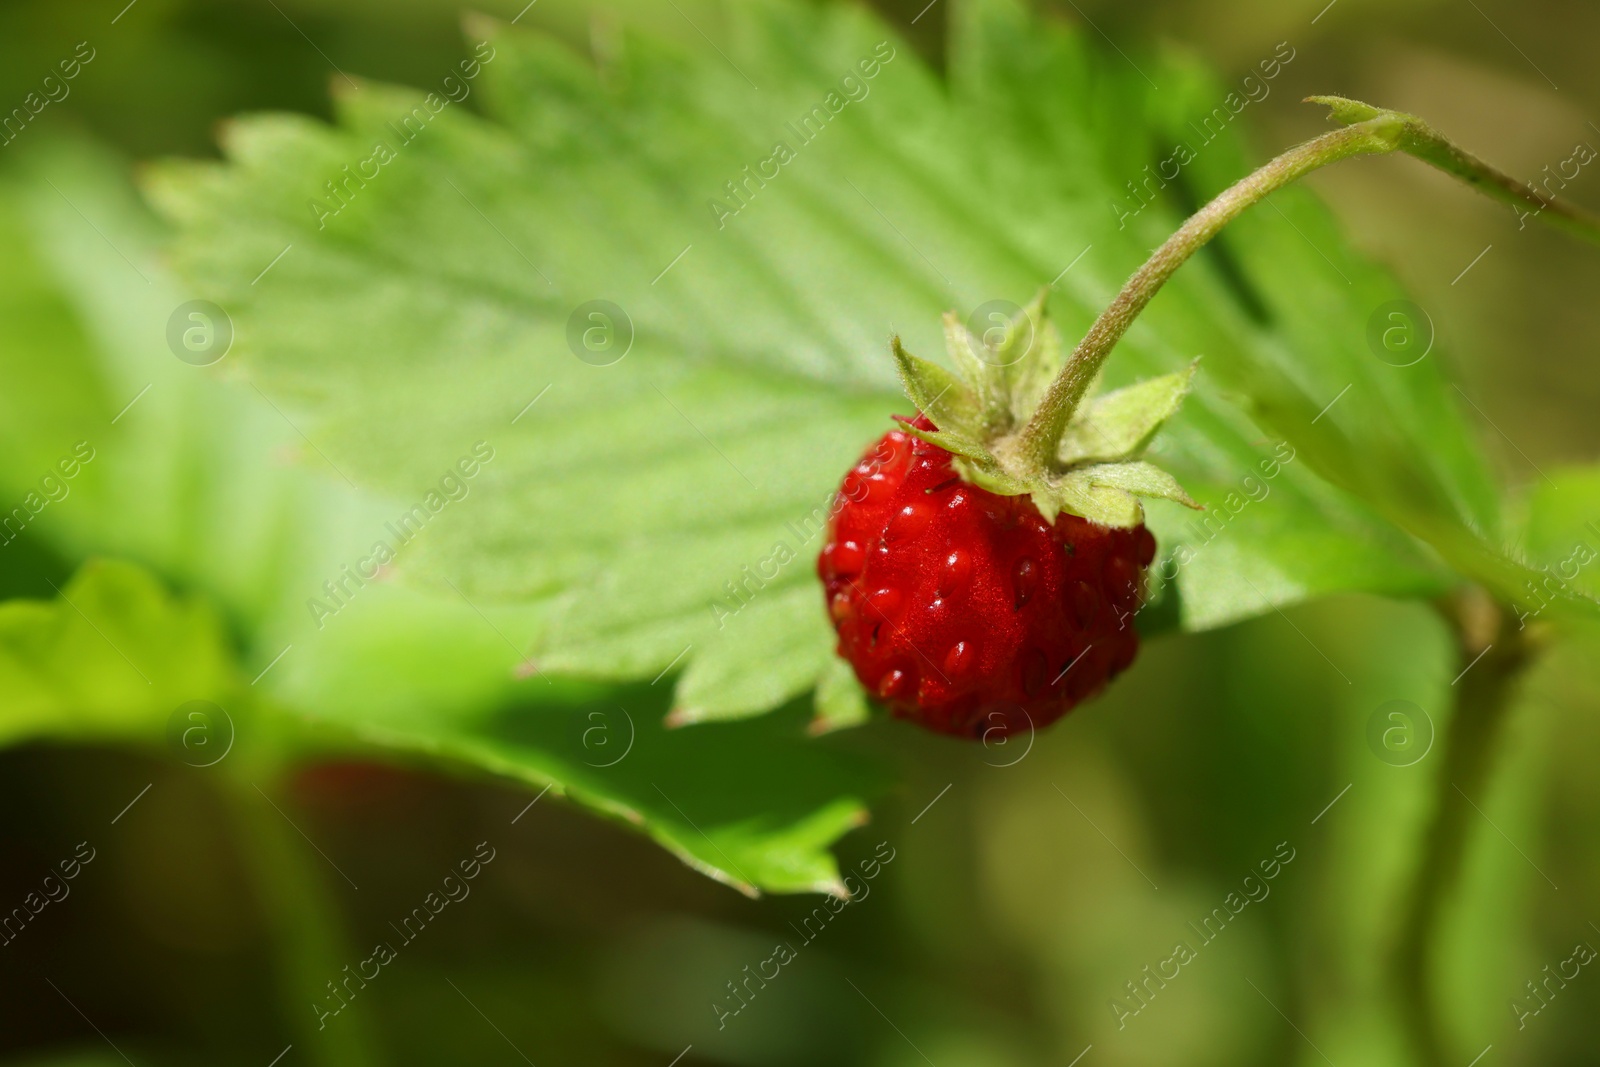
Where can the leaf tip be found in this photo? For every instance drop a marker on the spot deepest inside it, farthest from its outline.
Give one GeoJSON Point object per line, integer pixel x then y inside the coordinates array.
{"type": "Point", "coordinates": [681, 717]}
{"type": "Point", "coordinates": [343, 88]}
{"type": "Point", "coordinates": [1343, 110]}
{"type": "Point", "coordinates": [476, 24]}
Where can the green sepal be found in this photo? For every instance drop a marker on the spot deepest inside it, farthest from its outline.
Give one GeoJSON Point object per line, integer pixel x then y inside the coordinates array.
{"type": "Point", "coordinates": [955, 443]}
{"type": "Point", "coordinates": [990, 391]}
{"type": "Point", "coordinates": [938, 394]}
{"type": "Point", "coordinates": [993, 477]}
{"type": "Point", "coordinates": [1139, 478]}
{"type": "Point", "coordinates": [1108, 493]}
{"type": "Point", "coordinates": [1078, 495]}
{"type": "Point", "coordinates": [1032, 379]}
{"type": "Point", "coordinates": [1121, 424]}
{"type": "Point", "coordinates": [977, 412]}
{"type": "Point", "coordinates": [1012, 355]}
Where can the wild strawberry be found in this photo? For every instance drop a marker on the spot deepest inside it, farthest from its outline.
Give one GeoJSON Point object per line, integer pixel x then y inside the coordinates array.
{"type": "Point", "coordinates": [965, 610]}
{"type": "Point", "coordinates": [977, 589]}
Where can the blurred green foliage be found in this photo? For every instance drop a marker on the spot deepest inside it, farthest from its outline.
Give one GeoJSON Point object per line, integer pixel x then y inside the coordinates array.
{"type": "Point", "coordinates": [1019, 903]}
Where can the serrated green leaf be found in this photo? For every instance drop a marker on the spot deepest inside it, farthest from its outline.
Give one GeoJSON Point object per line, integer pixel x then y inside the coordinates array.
{"type": "Point", "coordinates": [1210, 560]}
{"type": "Point", "coordinates": [196, 479]}
{"type": "Point", "coordinates": [782, 632]}
{"type": "Point", "coordinates": [1122, 423]}
{"type": "Point", "coordinates": [440, 294]}
{"type": "Point", "coordinates": [191, 473]}
{"type": "Point", "coordinates": [755, 804]}
{"type": "Point", "coordinates": [116, 654]}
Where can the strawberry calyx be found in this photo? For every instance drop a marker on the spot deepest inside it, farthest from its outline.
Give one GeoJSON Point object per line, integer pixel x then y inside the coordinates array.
{"type": "Point", "coordinates": [1094, 467]}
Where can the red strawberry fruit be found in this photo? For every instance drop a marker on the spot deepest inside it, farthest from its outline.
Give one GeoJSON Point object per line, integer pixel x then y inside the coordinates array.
{"type": "Point", "coordinates": [978, 595]}
{"type": "Point", "coordinates": [965, 610]}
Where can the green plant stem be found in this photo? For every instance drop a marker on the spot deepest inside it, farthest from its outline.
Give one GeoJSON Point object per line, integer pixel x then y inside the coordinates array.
{"type": "Point", "coordinates": [1036, 443]}
{"type": "Point", "coordinates": [305, 930]}
{"type": "Point", "coordinates": [1368, 131]}
{"type": "Point", "coordinates": [1417, 138]}
{"type": "Point", "coordinates": [1492, 655]}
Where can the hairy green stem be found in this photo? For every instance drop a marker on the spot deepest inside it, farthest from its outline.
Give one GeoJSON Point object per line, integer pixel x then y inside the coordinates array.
{"type": "Point", "coordinates": [1492, 656]}
{"type": "Point", "coordinates": [1367, 131]}
{"type": "Point", "coordinates": [1417, 138]}
{"type": "Point", "coordinates": [305, 930]}
{"type": "Point", "coordinates": [1036, 443]}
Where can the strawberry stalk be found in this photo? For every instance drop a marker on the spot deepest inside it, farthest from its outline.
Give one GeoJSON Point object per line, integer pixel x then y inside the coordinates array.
{"type": "Point", "coordinates": [1493, 656]}
{"type": "Point", "coordinates": [1368, 130]}
{"type": "Point", "coordinates": [1035, 445]}
{"type": "Point", "coordinates": [1424, 142]}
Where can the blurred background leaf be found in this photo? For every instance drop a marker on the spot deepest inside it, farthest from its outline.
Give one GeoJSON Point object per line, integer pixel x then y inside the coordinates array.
{"type": "Point", "coordinates": [110, 658]}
